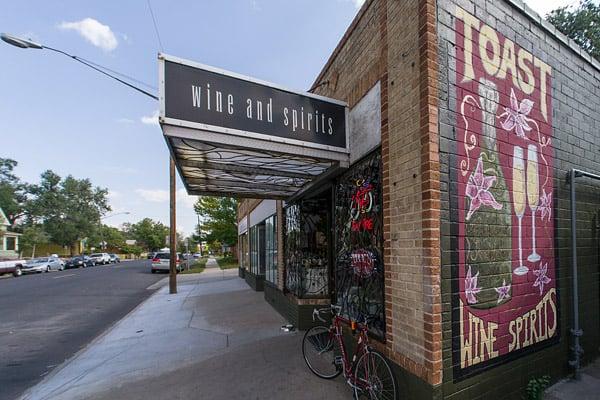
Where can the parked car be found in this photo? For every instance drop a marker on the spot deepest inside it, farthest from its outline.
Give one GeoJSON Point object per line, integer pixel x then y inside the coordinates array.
{"type": "Point", "coordinates": [62, 262]}
{"type": "Point", "coordinates": [42, 264]}
{"type": "Point", "coordinates": [161, 262]}
{"type": "Point", "coordinates": [151, 255]}
{"type": "Point", "coordinates": [100, 258]}
{"type": "Point", "coordinates": [114, 258]}
{"type": "Point", "coordinates": [12, 267]}
{"type": "Point", "coordinates": [197, 255]}
{"type": "Point", "coordinates": [79, 262]}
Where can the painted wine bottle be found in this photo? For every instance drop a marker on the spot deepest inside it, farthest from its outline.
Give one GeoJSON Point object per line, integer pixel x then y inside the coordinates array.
{"type": "Point", "coordinates": [488, 220]}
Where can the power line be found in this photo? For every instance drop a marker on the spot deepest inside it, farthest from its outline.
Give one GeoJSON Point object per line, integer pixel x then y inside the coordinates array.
{"type": "Point", "coordinates": [99, 69]}
{"type": "Point", "coordinates": [155, 27]}
{"type": "Point", "coordinates": [120, 74]}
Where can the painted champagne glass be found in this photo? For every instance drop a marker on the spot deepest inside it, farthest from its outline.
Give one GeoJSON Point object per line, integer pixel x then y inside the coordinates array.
{"type": "Point", "coordinates": [519, 201]}
{"type": "Point", "coordinates": [533, 194]}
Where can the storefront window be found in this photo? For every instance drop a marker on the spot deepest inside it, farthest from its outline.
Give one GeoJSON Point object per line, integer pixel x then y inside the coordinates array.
{"type": "Point", "coordinates": [307, 273]}
{"type": "Point", "coordinates": [359, 278]}
{"type": "Point", "coordinates": [243, 258]}
{"type": "Point", "coordinates": [257, 249]}
{"type": "Point", "coordinates": [271, 249]}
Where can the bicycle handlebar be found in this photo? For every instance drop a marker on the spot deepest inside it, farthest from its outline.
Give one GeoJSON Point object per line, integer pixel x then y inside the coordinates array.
{"type": "Point", "coordinates": [317, 314]}
{"type": "Point", "coordinates": [333, 309]}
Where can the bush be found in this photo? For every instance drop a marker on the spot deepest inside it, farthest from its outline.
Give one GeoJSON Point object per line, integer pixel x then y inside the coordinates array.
{"type": "Point", "coordinates": [227, 262]}
{"type": "Point", "coordinates": [536, 386]}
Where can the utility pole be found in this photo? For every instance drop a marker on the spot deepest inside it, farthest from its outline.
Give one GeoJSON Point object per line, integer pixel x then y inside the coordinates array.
{"type": "Point", "coordinates": [199, 234]}
{"type": "Point", "coordinates": [173, 234]}
{"type": "Point", "coordinates": [187, 253]}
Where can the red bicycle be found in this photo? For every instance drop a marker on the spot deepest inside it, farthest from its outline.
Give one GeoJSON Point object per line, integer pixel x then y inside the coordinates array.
{"type": "Point", "coordinates": [368, 373]}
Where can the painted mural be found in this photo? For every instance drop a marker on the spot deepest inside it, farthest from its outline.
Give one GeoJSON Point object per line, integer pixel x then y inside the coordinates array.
{"type": "Point", "coordinates": [505, 287]}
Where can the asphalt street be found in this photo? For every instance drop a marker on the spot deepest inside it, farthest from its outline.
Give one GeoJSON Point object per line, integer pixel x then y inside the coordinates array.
{"type": "Point", "coordinates": [46, 318]}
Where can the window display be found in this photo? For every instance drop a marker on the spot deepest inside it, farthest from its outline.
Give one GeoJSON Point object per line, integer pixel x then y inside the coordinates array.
{"type": "Point", "coordinates": [359, 277]}
{"type": "Point", "coordinates": [307, 273]}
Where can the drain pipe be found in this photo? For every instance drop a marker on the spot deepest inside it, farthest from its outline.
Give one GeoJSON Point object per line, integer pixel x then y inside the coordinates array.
{"type": "Point", "coordinates": [576, 332]}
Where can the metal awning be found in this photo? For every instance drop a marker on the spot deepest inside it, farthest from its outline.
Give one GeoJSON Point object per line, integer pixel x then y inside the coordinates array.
{"type": "Point", "coordinates": [222, 154]}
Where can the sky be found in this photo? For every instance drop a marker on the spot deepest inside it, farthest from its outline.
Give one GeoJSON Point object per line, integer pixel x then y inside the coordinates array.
{"type": "Point", "coordinates": [58, 114]}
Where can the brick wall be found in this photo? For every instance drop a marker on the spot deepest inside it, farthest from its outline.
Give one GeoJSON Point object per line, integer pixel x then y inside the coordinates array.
{"type": "Point", "coordinates": [391, 42]}
{"type": "Point", "coordinates": [404, 242]}
{"type": "Point", "coordinates": [573, 100]}
{"type": "Point", "coordinates": [245, 206]}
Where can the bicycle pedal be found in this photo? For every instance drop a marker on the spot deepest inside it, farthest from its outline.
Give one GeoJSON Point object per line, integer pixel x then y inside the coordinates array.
{"type": "Point", "coordinates": [338, 360]}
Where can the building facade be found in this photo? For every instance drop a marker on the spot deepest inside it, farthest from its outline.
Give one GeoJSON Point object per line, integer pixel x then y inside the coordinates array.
{"type": "Point", "coordinates": [452, 226]}
{"type": "Point", "coordinates": [9, 241]}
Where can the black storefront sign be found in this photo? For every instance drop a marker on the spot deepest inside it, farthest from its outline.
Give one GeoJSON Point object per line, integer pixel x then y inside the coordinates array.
{"type": "Point", "coordinates": [234, 104]}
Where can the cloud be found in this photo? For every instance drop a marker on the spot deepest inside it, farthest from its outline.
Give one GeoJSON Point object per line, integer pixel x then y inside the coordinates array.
{"type": "Point", "coordinates": [154, 195]}
{"type": "Point", "coordinates": [125, 121]}
{"type": "Point", "coordinates": [162, 196]}
{"type": "Point", "coordinates": [120, 170]}
{"type": "Point", "coordinates": [186, 199]}
{"type": "Point", "coordinates": [150, 119]}
{"type": "Point", "coordinates": [96, 33]}
{"type": "Point", "coordinates": [357, 3]}
{"type": "Point", "coordinates": [543, 7]}
{"type": "Point", "coordinates": [113, 194]}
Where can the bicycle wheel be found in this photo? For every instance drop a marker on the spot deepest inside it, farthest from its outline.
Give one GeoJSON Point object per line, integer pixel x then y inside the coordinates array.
{"type": "Point", "coordinates": [374, 378]}
{"type": "Point", "coordinates": [322, 352]}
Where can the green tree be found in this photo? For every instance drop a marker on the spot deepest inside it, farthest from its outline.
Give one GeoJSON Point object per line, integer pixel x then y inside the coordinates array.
{"type": "Point", "coordinates": [582, 24]}
{"type": "Point", "coordinates": [32, 236]}
{"type": "Point", "coordinates": [13, 192]}
{"type": "Point", "coordinates": [132, 249]}
{"type": "Point", "coordinates": [110, 236]}
{"type": "Point", "coordinates": [69, 208]}
{"type": "Point", "coordinates": [149, 234]}
{"type": "Point", "coordinates": [219, 219]}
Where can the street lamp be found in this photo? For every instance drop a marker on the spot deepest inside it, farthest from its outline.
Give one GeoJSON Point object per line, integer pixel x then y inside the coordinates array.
{"type": "Point", "coordinates": [30, 44]}
{"type": "Point", "coordinates": [108, 216]}
{"type": "Point", "coordinates": [112, 215]}
{"type": "Point", "coordinates": [20, 42]}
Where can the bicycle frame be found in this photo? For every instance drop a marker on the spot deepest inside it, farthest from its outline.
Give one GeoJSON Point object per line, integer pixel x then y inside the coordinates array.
{"type": "Point", "coordinates": [362, 348]}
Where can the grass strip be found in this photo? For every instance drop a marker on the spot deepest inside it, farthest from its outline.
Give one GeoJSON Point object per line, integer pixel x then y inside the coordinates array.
{"type": "Point", "coordinates": [227, 262]}
{"type": "Point", "coordinates": [196, 267]}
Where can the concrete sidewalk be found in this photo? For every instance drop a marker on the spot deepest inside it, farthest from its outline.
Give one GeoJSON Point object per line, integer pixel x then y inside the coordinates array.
{"type": "Point", "coordinates": [588, 388]}
{"type": "Point", "coordinates": [215, 339]}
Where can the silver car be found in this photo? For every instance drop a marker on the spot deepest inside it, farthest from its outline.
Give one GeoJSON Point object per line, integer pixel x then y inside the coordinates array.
{"type": "Point", "coordinates": [42, 264]}
{"type": "Point", "coordinates": [161, 262]}
{"type": "Point", "coordinates": [100, 258]}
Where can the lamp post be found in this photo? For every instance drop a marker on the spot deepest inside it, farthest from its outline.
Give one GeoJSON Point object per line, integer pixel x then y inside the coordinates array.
{"type": "Point", "coordinates": [108, 216]}
{"type": "Point", "coordinates": [30, 44]}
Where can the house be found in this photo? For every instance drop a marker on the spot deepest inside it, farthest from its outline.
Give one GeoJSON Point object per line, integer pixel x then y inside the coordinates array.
{"type": "Point", "coordinates": [9, 243]}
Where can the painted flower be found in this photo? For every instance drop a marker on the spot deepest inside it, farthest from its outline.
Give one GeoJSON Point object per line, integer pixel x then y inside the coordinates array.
{"type": "Point", "coordinates": [541, 277]}
{"type": "Point", "coordinates": [546, 205]}
{"type": "Point", "coordinates": [503, 291]}
{"type": "Point", "coordinates": [478, 190]}
{"type": "Point", "coordinates": [471, 288]}
{"type": "Point", "coordinates": [516, 115]}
